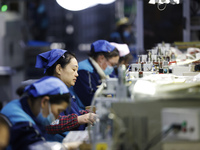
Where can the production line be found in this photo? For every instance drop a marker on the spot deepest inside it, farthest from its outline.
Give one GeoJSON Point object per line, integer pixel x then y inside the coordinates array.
{"type": "Point", "coordinates": [151, 103]}
{"type": "Point", "coordinates": [156, 111]}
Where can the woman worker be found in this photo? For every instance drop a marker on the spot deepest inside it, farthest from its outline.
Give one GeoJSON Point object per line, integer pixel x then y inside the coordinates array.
{"type": "Point", "coordinates": [125, 57]}
{"type": "Point", "coordinates": [63, 65]}
{"type": "Point", "coordinates": [48, 96]}
{"type": "Point", "coordinates": [102, 58]}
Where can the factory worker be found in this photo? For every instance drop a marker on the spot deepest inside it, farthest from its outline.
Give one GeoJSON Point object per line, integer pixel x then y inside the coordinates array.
{"type": "Point", "coordinates": [123, 32]}
{"type": "Point", "coordinates": [125, 57]}
{"type": "Point", "coordinates": [102, 58]}
{"type": "Point", "coordinates": [5, 126]}
{"type": "Point", "coordinates": [48, 96]}
{"type": "Point", "coordinates": [63, 64]}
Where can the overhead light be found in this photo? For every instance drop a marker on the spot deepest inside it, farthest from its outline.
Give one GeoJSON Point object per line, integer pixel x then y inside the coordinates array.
{"type": "Point", "coordinates": [164, 1]}
{"type": "Point", "coordinates": [77, 5]}
{"type": "Point", "coordinates": [57, 45]}
{"type": "Point", "coordinates": [104, 1]}
{"type": "Point", "coordinates": [84, 47]}
{"type": "Point", "coordinates": [69, 29]}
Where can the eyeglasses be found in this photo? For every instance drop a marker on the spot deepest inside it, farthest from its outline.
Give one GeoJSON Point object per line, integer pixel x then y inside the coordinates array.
{"type": "Point", "coordinates": [113, 64]}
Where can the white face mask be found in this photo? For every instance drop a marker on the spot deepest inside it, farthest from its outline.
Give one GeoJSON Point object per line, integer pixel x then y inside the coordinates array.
{"type": "Point", "coordinates": [51, 118]}
{"type": "Point", "coordinates": [109, 69]}
{"type": "Point", "coordinates": [48, 120]}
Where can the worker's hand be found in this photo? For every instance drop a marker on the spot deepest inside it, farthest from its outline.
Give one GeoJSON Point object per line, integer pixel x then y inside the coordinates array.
{"type": "Point", "coordinates": [72, 145]}
{"type": "Point", "coordinates": [89, 118]}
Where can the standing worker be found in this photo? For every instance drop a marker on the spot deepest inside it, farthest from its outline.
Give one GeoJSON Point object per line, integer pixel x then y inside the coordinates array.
{"type": "Point", "coordinates": [123, 32]}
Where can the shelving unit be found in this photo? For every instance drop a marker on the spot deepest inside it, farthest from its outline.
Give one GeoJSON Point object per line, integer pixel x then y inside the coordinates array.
{"type": "Point", "coordinates": [189, 27]}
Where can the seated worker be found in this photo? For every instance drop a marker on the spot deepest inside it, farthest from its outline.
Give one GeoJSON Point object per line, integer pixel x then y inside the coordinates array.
{"type": "Point", "coordinates": [48, 96]}
{"type": "Point", "coordinates": [63, 65]}
{"type": "Point", "coordinates": [5, 125]}
{"type": "Point", "coordinates": [125, 57]}
{"type": "Point", "coordinates": [102, 58]}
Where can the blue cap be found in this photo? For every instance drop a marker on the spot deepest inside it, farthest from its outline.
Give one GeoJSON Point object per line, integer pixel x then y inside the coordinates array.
{"type": "Point", "coordinates": [47, 85]}
{"type": "Point", "coordinates": [47, 59]}
{"type": "Point", "coordinates": [102, 46]}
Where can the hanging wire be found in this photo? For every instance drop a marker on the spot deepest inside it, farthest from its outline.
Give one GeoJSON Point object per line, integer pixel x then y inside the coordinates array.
{"type": "Point", "coordinates": [97, 93]}
{"type": "Point", "coordinates": [162, 135]}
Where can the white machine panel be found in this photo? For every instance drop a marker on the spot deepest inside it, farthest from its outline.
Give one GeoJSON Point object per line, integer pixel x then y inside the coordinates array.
{"type": "Point", "coordinates": [188, 118]}
{"type": "Point", "coordinates": [179, 70]}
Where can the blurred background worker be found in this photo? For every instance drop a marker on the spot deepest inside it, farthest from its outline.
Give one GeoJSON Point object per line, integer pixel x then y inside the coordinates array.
{"type": "Point", "coordinates": [125, 57]}
{"type": "Point", "coordinates": [123, 32]}
{"type": "Point", "coordinates": [102, 58]}
{"type": "Point", "coordinates": [63, 65]}
{"type": "Point", "coordinates": [48, 96]}
{"type": "Point", "coordinates": [5, 125]}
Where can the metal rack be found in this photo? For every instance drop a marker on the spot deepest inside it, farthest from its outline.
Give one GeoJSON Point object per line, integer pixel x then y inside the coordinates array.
{"type": "Point", "coordinates": [189, 28]}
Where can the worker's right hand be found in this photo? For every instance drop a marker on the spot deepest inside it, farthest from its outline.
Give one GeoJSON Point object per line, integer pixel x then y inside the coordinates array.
{"type": "Point", "coordinates": [89, 118]}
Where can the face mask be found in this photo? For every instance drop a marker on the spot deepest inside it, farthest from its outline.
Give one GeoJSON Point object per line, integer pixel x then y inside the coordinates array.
{"type": "Point", "coordinates": [108, 70]}
{"type": "Point", "coordinates": [126, 34]}
{"type": "Point", "coordinates": [50, 117]}
{"type": "Point", "coordinates": [44, 121]}
{"type": "Point", "coordinates": [48, 120]}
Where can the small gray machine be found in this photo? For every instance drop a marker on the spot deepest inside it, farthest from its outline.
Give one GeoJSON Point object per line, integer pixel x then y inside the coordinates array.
{"type": "Point", "coordinates": [11, 55]}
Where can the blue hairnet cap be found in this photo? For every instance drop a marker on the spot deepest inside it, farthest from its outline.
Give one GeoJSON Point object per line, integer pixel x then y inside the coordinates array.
{"type": "Point", "coordinates": [102, 46]}
{"type": "Point", "coordinates": [47, 85]}
{"type": "Point", "coordinates": [47, 59]}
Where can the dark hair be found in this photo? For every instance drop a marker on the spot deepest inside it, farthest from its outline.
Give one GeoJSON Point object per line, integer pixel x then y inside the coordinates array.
{"type": "Point", "coordinates": [20, 90]}
{"type": "Point", "coordinates": [55, 99]}
{"type": "Point", "coordinates": [58, 99]}
{"type": "Point", "coordinates": [63, 61]}
{"type": "Point", "coordinates": [128, 58]}
{"type": "Point", "coordinates": [107, 55]}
